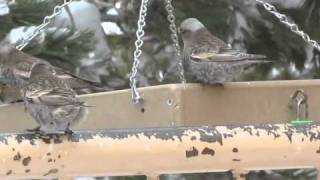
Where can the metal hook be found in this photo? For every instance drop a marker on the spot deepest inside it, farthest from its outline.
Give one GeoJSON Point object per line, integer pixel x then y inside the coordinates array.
{"type": "Point", "coordinates": [298, 100]}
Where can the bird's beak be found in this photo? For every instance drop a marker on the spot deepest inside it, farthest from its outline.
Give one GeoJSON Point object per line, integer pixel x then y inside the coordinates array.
{"type": "Point", "coordinates": [179, 30]}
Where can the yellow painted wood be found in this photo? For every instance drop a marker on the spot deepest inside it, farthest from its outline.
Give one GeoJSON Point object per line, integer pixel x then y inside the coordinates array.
{"type": "Point", "coordinates": [160, 151]}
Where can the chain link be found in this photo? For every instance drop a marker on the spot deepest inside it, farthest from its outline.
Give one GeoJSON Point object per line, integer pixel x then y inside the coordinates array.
{"type": "Point", "coordinates": [136, 98]}
{"type": "Point", "coordinates": [174, 37]}
{"type": "Point", "coordinates": [293, 27]}
{"type": "Point", "coordinates": [46, 21]}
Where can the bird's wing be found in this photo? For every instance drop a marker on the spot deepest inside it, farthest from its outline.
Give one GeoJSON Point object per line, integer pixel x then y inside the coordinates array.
{"type": "Point", "coordinates": [206, 46]}
{"type": "Point", "coordinates": [210, 48]}
{"type": "Point", "coordinates": [22, 71]}
{"type": "Point", "coordinates": [24, 63]}
{"type": "Point", "coordinates": [225, 54]}
{"type": "Point", "coordinates": [58, 97]}
{"type": "Point", "coordinates": [51, 97]}
{"type": "Point", "coordinates": [32, 94]}
{"type": "Point", "coordinates": [80, 85]}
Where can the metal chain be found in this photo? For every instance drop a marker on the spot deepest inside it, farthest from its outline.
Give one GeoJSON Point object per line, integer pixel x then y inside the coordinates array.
{"type": "Point", "coordinates": [174, 37]}
{"type": "Point", "coordinates": [293, 27]}
{"type": "Point", "coordinates": [136, 98]}
{"type": "Point", "coordinates": [46, 21]}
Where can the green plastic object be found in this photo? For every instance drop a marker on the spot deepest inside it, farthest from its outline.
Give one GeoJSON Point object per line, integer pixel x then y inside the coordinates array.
{"type": "Point", "coordinates": [301, 121]}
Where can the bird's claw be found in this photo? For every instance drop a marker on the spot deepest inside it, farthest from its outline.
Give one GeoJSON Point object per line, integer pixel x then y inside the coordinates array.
{"type": "Point", "coordinates": [216, 84]}
{"type": "Point", "coordinates": [42, 134]}
{"type": "Point", "coordinates": [35, 130]}
{"type": "Point", "coordinates": [219, 84]}
{"type": "Point", "coordinates": [16, 101]}
{"type": "Point", "coordinates": [69, 132]}
{"type": "Point", "coordinates": [39, 133]}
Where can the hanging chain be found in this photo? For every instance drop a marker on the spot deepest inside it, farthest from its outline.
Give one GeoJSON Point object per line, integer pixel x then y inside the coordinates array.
{"type": "Point", "coordinates": [174, 37]}
{"type": "Point", "coordinates": [46, 21]}
{"type": "Point", "coordinates": [293, 27]}
{"type": "Point", "coordinates": [136, 98]}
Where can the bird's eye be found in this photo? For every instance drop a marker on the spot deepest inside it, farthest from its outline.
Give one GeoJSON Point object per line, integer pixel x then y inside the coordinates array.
{"type": "Point", "coordinates": [52, 124]}
{"type": "Point", "coordinates": [181, 31]}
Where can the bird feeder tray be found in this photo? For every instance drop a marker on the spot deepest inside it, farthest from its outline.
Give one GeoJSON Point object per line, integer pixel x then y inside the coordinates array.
{"type": "Point", "coordinates": [236, 103]}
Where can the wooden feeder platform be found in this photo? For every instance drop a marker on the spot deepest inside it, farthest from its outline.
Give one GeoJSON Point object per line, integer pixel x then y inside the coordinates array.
{"type": "Point", "coordinates": [237, 103]}
{"type": "Point", "coordinates": [177, 129]}
{"type": "Point", "coordinates": [159, 151]}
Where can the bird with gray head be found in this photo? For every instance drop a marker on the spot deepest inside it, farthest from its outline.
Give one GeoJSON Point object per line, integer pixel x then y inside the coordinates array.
{"type": "Point", "coordinates": [51, 102]}
{"type": "Point", "coordinates": [208, 58]}
{"type": "Point", "coordinates": [15, 68]}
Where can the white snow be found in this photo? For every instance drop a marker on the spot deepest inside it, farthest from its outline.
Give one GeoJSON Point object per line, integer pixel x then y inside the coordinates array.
{"type": "Point", "coordinates": [111, 28]}
{"type": "Point", "coordinates": [113, 12]}
{"type": "Point", "coordinates": [275, 72]}
{"type": "Point", "coordinates": [4, 9]}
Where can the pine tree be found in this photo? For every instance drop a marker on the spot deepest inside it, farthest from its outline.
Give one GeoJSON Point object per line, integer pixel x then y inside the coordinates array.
{"type": "Point", "coordinates": [64, 50]}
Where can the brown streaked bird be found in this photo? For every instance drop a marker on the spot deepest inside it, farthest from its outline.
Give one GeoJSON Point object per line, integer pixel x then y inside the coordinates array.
{"type": "Point", "coordinates": [51, 101]}
{"type": "Point", "coordinates": [209, 59]}
{"type": "Point", "coordinates": [15, 68]}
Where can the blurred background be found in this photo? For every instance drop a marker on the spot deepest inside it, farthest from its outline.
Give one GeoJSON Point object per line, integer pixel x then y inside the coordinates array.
{"type": "Point", "coordinates": [94, 39]}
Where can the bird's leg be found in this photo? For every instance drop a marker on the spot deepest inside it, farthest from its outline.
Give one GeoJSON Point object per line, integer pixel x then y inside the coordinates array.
{"type": "Point", "coordinates": [218, 84]}
{"type": "Point", "coordinates": [38, 132]}
{"type": "Point", "coordinates": [35, 130]}
{"type": "Point", "coordinates": [68, 131]}
{"type": "Point", "coordinates": [2, 86]}
{"type": "Point", "coordinates": [16, 101]}
{"type": "Point", "coordinates": [25, 107]}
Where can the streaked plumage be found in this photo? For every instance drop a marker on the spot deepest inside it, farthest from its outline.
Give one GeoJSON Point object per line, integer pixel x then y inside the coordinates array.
{"type": "Point", "coordinates": [208, 58]}
{"type": "Point", "coordinates": [15, 67]}
{"type": "Point", "coordinates": [51, 101]}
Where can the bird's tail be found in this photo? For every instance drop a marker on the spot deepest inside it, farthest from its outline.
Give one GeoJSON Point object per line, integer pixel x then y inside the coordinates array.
{"type": "Point", "coordinates": [260, 61]}
{"type": "Point", "coordinates": [257, 58]}
{"type": "Point", "coordinates": [87, 87]}
{"type": "Point", "coordinates": [255, 62]}
{"type": "Point", "coordinates": [80, 85]}
{"type": "Point", "coordinates": [83, 104]}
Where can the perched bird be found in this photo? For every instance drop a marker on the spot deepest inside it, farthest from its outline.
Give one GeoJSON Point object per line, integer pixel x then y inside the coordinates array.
{"type": "Point", "coordinates": [50, 101]}
{"type": "Point", "coordinates": [9, 94]}
{"type": "Point", "coordinates": [208, 58]}
{"type": "Point", "coordinates": [15, 68]}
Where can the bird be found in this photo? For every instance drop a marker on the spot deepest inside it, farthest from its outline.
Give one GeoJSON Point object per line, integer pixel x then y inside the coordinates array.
{"type": "Point", "coordinates": [15, 68]}
{"type": "Point", "coordinates": [209, 59]}
{"type": "Point", "coordinates": [52, 103]}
